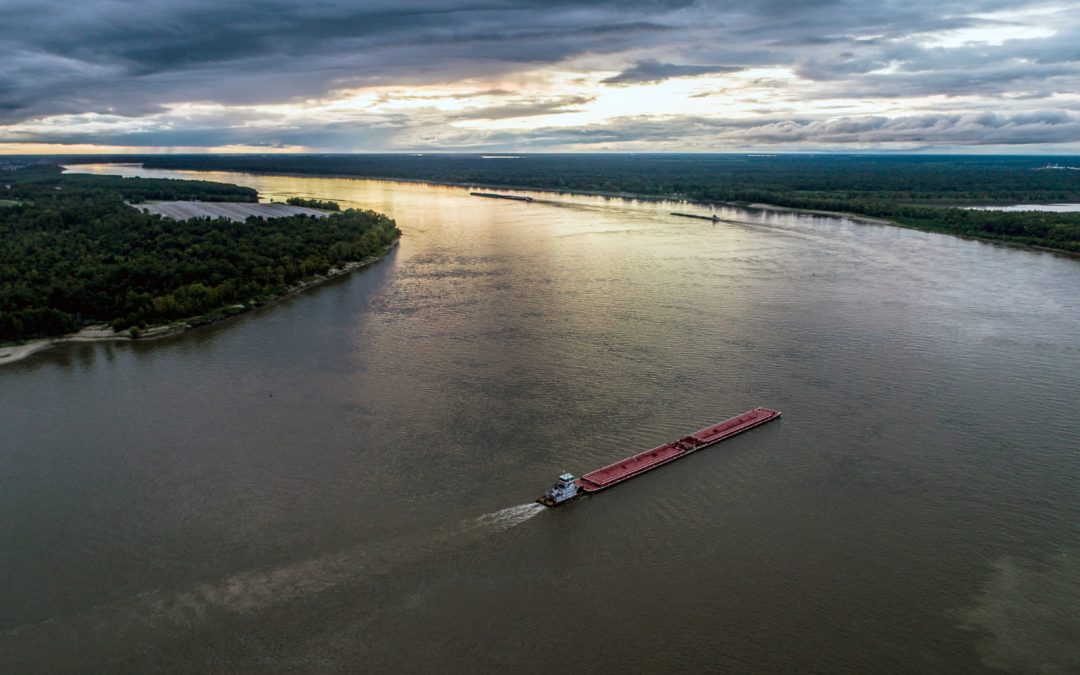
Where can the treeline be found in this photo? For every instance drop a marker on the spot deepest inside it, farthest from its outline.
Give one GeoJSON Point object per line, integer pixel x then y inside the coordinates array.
{"type": "Point", "coordinates": [313, 203]}
{"type": "Point", "coordinates": [1048, 229]}
{"type": "Point", "coordinates": [70, 259]}
{"type": "Point", "coordinates": [904, 178]}
{"type": "Point", "coordinates": [914, 190]}
{"type": "Point", "coordinates": [48, 180]}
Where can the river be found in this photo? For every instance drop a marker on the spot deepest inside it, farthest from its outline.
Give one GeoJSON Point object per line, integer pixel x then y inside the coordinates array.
{"type": "Point", "coordinates": [344, 481]}
{"type": "Point", "coordinates": [1055, 208]}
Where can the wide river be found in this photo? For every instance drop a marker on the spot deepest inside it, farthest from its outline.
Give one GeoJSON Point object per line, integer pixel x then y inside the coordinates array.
{"type": "Point", "coordinates": [344, 481]}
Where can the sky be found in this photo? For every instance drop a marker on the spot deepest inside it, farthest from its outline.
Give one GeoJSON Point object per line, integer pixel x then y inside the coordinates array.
{"type": "Point", "coordinates": [979, 76]}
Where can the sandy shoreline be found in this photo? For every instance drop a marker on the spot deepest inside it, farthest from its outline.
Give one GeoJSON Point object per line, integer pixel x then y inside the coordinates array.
{"type": "Point", "coordinates": [13, 353]}
{"type": "Point", "coordinates": [103, 332]}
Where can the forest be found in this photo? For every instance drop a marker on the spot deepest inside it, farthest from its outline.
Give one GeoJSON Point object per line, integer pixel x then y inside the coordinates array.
{"type": "Point", "coordinates": [42, 180]}
{"type": "Point", "coordinates": [313, 203]}
{"type": "Point", "coordinates": [921, 191]}
{"type": "Point", "coordinates": [80, 255]}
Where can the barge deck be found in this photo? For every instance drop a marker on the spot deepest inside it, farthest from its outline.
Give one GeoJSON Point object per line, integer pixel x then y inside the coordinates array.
{"type": "Point", "coordinates": [568, 487]}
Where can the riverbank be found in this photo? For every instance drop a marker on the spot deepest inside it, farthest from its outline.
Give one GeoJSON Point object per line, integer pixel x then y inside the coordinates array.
{"type": "Point", "coordinates": [853, 217]}
{"type": "Point", "coordinates": [582, 193]}
{"type": "Point", "coordinates": [13, 353]}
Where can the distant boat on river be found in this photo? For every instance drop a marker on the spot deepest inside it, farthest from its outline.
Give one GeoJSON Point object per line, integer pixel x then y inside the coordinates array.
{"type": "Point", "coordinates": [713, 218]}
{"type": "Point", "coordinates": [495, 195]}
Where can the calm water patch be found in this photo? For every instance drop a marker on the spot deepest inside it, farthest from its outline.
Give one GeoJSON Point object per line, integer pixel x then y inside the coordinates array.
{"type": "Point", "coordinates": [1058, 208]}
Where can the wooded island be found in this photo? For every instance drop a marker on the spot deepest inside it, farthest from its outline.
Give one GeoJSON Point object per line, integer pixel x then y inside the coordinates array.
{"type": "Point", "coordinates": [75, 253]}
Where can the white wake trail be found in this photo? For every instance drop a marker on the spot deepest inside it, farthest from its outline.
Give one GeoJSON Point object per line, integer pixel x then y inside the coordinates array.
{"type": "Point", "coordinates": [506, 518]}
{"type": "Point", "coordinates": [149, 615]}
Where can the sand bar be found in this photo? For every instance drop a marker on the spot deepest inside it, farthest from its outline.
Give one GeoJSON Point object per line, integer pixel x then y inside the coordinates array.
{"type": "Point", "coordinates": [235, 211]}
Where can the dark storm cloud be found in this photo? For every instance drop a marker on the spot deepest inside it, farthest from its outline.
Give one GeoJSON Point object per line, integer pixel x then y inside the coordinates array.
{"type": "Point", "coordinates": [131, 56]}
{"type": "Point", "coordinates": [128, 58]}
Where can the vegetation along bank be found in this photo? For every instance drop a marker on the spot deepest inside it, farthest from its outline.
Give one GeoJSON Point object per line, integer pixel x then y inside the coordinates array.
{"type": "Point", "coordinates": [75, 254]}
{"type": "Point", "coordinates": [920, 191]}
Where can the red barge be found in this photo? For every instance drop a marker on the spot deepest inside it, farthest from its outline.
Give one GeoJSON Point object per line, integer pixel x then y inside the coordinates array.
{"type": "Point", "coordinates": [569, 487]}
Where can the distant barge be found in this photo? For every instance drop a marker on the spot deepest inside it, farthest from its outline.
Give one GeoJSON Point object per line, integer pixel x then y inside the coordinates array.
{"type": "Point", "coordinates": [495, 195]}
{"type": "Point", "coordinates": [713, 218]}
{"type": "Point", "coordinates": [567, 487]}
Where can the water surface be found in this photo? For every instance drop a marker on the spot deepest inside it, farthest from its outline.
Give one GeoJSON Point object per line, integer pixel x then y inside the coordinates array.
{"type": "Point", "coordinates": [342, 482]}
{"type": "Point", "coordinates": [1057, 208]}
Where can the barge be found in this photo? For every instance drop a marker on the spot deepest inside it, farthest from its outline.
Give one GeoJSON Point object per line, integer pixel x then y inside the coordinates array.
{"type": "Point", "coordinates": [568, 487]}
{"type": "Point", "coordinates": [713, 218]}
{"type": "Point", "coordinates": [495, 195]}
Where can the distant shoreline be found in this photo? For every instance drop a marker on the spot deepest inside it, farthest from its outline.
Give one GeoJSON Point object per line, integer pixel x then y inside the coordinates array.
{"type": "Point", "coordinates": [13, 353]}
{"type": "Point", "coordinates": [585, 193]}
{"type": "Point", "coordinates": [854, 217]}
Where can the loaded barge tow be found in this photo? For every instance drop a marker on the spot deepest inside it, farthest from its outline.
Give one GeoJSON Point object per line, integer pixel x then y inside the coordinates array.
{"type": "Point", "coordinates": [495, 195]}
{"type": "Point", "coordinates": [713, 218]}
{"type": "Point", "coordinates": [567, 487]}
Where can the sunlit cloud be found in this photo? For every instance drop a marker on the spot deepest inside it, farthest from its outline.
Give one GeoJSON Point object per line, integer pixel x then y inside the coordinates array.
{"type": "Point", "coordinates": [553, 76]}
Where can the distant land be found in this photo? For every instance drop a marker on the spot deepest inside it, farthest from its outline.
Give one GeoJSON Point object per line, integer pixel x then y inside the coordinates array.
{"type": "Point", "coordinates": [919, 191]}
{"type": "Point", "coordinates": [78, 255]}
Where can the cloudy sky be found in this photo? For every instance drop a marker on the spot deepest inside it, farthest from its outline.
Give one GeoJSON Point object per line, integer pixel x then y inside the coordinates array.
{"type": "Point", "coordinates": [549, 75]}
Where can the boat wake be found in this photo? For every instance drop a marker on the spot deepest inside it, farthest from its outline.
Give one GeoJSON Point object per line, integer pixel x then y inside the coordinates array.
{"type": "Point", "coordinates": [149, 615]}
{"type": "Point", "coordinates": [504, 519]}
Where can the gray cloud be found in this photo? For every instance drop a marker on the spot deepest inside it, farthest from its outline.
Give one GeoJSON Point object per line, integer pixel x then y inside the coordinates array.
{"type": "Point", "coordinates": [525, 109]}
{"type": "Point", "coordinates": [132, 58]}
{"type": "Point", "coordinates": [1046, 128]}
{"type": "Point", "coordinates": [651, 70]}
{"type": "Point", "coordinates": [403, 132]}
